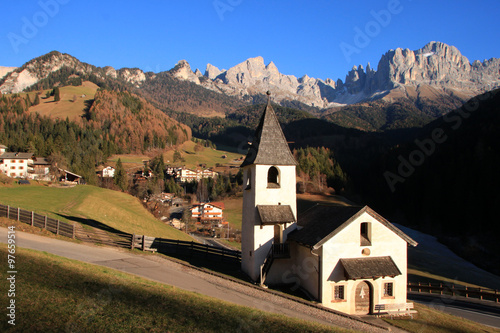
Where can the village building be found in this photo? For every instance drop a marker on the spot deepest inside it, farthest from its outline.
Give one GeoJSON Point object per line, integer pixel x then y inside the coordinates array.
{"type": "Point", "coordinates": [108, 172]}
{"type": "Point", "coordinates": [40, 169]}
{"type": "Point", "coordinates": [16, 165]}
{"type": "Point", "coordinates": [208, 212]}
{"type": "Point", "coordinates": [348, 258]}
{"type": "Point", "coordinates": [185, 175]}
{"type": "Point", "coordinates": [70, 177]}
{"type": "Point", "coordinates": [3, 149]}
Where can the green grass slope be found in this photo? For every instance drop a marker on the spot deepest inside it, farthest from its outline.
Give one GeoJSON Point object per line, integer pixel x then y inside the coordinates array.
{"type": "Point", "coordinates": [55, 294]}
{"type": "Point", "coordinates": [114, 209]}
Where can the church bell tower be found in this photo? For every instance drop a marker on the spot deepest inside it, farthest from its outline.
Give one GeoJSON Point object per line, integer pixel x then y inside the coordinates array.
{"type": "Point", "coordinates": [269, 195]}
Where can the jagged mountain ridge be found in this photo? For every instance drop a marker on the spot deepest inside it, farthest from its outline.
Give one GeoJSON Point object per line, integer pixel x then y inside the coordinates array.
{"type": "Point", "coordinates": [439, 66]}
{"type": "Point", "coordinates": [434, 71]}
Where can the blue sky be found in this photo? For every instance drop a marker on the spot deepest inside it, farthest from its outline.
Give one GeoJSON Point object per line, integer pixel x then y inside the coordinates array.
{"type": "Point", "coordinates": [323, 39]}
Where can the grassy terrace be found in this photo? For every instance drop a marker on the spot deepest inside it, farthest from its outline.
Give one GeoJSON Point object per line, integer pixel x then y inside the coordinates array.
{"type": "Point", "coordinates": [55, 294]}
{"type": "Point", "coordinates": [114, 209]}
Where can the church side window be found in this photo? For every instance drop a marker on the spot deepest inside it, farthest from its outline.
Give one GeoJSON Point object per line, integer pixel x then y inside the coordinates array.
{"type": "Point", "coordinates": [273, 178]}
{"type": "Point", "coordinates": [388, 289]}
{"type": "Point", "coordinates": [339, 292]}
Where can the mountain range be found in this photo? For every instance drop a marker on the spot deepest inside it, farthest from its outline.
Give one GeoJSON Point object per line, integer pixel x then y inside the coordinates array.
{"type": "Point", "coordinates": [434, 72]}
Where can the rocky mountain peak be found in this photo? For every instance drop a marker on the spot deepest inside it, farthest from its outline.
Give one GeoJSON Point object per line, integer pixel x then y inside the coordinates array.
{"type": "Point", "coordinates": [39, 68]}
{"type": "Point", "coordinates": [212, 72]}
{"type": "Point", "coordinates": [182, 71]}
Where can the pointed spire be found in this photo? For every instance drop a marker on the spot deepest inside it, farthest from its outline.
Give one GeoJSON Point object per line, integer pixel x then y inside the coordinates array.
{"type": "Point", "coordinates": [269, 145]}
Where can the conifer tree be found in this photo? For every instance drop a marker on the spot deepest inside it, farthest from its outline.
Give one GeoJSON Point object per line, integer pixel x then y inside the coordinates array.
{"type": "Point", "coordinates": [120, 176]}
{"type": "Point", "coordinates": [37, 100]}
{"type": "Point", "coordinates": [57, 94]}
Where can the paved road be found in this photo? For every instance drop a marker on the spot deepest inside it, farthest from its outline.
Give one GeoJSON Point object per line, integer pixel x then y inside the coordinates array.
{"type": "Point", "coordinates": [477, 311]}
{"type": "Point", "coordinates": [158, 269]}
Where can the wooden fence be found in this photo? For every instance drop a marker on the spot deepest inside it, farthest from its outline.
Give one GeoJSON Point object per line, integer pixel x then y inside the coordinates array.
{"type": "Point", "coordinates": [102, 237]}
{"type": "Point", "coordinates": [453, 290]}
{"type": "Point", "coordinates": [42, 221]}
{"type": "Point", "coordinates": [178, 247]}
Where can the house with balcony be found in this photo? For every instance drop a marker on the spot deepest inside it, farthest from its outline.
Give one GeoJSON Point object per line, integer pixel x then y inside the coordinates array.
{"type": "Point", "coordinates": [208, 212]}
{"type": "Point", "coordinates": [40, 169]}
{"type": "Point", "coordinates": [349, 258]}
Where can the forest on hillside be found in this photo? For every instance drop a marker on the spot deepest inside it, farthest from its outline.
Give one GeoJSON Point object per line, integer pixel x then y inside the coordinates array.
{"type": "Point", "coordinates": [116, 123]}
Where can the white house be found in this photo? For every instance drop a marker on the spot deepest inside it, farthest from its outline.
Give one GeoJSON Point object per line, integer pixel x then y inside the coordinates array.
{"type": "Point", "coordinates": [16, 165]}
{"type": "Point", "coordinates": [186, 175]}
{"type": "Point", "coordinates": [108, 172]}
{"type": "Point", "coordinates": [349, 258]}
{"type": "Point", "coordinates": [3, 149]}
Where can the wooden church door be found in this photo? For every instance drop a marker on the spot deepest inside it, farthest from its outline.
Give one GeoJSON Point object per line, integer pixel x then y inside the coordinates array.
{"type": "Point", "coordinates": [362, 298]}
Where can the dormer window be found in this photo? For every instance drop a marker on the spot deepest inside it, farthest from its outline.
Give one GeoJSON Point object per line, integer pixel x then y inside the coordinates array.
{"type": "Point", "coordinates": [365, 234]}
{"type": "Point", "coordinates": [273, 178]}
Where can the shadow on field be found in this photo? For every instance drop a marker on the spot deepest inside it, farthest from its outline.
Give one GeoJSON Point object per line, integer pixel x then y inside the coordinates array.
{"type": "Point", "coordinates": [93, 223]}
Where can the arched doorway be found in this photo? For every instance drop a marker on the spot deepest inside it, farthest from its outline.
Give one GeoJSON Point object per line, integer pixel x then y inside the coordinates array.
{"type": "Point", "coordinates": [363, 298]}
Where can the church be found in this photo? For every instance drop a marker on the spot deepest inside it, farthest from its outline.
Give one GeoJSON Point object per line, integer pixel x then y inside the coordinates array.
{"type": "Point", "coordinates": [348, 258]}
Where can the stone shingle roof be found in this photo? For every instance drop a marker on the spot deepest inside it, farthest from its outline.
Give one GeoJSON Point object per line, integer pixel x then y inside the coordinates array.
{"type": "Point", "coordinates": [369, 268]}
{"type": "Point", "coordinates": [269, 145]}
{"type": "Point", "coordinates": [273, 214]}
{"type": "Point", "coordinates": [321, 222]}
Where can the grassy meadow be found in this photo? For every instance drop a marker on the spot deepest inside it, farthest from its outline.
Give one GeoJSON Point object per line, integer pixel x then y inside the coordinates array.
{"type": "Point", "coordinates": [114, 209]}
{"type": "Point", "coordinates": [55, 294]}
{"type": "Point", "coordinates": [192, 159]}
{"type": "Point", "coordinates": [65, 107]}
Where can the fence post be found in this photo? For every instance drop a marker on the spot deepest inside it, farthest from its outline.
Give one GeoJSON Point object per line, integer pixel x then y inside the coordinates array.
{"type": "Point", "coordinates": [57, 232]}
{"type": "Point", "coordinates": [18, 214]}
{"type": "Point", "coordinates": [132, 242]}
{"type": "Point", "coordinates": [74, 232]}
{"type": "Point", "coordinates": [143, 242]}
{"type": "Point", "coordinates": [32, 219]}
{"type": "Point", "coordinates": [8, 211]}
{"type": "Point", "coordinates": [45, 223]}
{"type": "Point", "coordinates": [466, 293]}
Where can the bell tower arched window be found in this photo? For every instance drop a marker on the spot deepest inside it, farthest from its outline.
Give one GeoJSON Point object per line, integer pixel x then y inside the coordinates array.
{"type": "Point", "coordinates": [248, 184]}
{"type": "Point", "coordinates": [273, 176]}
